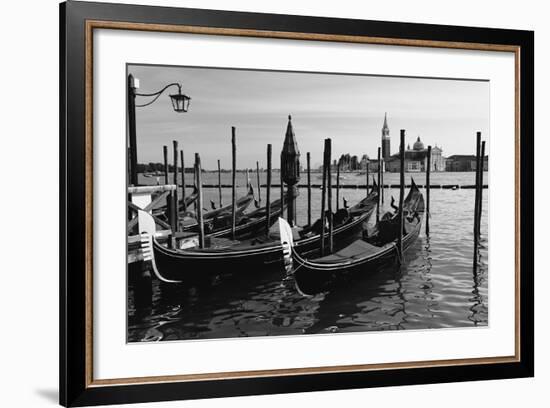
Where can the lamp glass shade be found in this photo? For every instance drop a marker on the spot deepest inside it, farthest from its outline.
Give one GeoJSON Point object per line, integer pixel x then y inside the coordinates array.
{"type": "Point", "coordinates": [180, 102]}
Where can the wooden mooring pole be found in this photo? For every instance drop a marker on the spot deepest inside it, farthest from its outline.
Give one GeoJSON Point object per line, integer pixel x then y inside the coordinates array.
{"type": "Point", "coordinates": [268, 192]}
{"type": "Point", "coordinates": [195, 183]}
{"type": "Point", "coordinates": [233, 180]}
{"type": "Point", "coordinates": [428, 170]}
{"type": "Point", "coordinates": [198, 171]}
{"type": "Point", "coordinates": [329, 195]}
{"type": "Point", "coordinates": [175, 199]}
{"type": "Point", "coordinates": [219, 183]}
{"type": "Point", "coordinates": [165, 155]}
{"type": "Point", "coordinates": [183, 181]}
{"type": "Point", "coordinates": [379, 191]}
{"type": "Point", "coordinates": [480, 200]}
{"type": "Point", "coordinates": [338, 185]}
{"type": "Point", "coordinates": [308, 188]}
{"type": "Point", "coordinates": [258, 182]}
{"type": "Point", "coordinates": [367, 185]}
{"type": "Point", "coordinates": [282, 188]}
{"type": "Point", "coordinates": [479, 209]}
{"type": "Point", "coordinates": [476, 200]}
{"type": "Point", "coordinates": [382, 163]}
{"type": "Point", "coordinates": [132, 163]}
{"type": "Point", "coordinates": [324, 197]}
{"type": "Point", "coordinates": [401, 194]}
{"type": "Point", "coordinates": [169, 199]}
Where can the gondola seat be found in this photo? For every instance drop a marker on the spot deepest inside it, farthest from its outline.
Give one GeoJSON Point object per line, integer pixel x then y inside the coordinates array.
{"type": "Point", "coordinates": [357, 250]}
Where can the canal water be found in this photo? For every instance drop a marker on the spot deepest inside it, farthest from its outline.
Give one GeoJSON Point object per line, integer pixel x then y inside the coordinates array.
{"type": "Point", "coordinates": [435, 287]}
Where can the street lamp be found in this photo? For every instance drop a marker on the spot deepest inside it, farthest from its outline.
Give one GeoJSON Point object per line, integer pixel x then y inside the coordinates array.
{"type": "Point", "coordinates": [180, 103]}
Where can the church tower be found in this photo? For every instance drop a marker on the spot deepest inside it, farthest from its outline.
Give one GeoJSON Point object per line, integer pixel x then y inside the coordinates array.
{"type": "Point", "coordinates": [385, 139]}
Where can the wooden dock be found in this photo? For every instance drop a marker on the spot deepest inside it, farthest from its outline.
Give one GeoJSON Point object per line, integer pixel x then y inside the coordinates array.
{"type": "Point", "coordinates": [145, 198]}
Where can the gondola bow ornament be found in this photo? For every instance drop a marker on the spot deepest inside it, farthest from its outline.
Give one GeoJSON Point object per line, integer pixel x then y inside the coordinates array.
{"type": "Point", "coordinates": [147, 229]}
{"type": "Point", "coordinates": [287, 242]}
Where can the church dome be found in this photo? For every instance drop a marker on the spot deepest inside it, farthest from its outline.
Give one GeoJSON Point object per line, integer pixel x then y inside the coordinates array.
{"type": "Point", "coordinates": [418, 145]}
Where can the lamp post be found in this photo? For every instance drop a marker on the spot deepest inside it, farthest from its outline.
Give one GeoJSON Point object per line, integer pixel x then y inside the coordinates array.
{"type": "Point", "coordinates": [180, 103]}
{"type": "Point", "coordinates": [290, 170]}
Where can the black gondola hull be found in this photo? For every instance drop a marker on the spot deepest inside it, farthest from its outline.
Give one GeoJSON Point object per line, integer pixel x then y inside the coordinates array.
{"type": "Point", "coordinates": [249, 228]}
{"type": "Point", "coordinates": [312, 281]}
{"type": "Point", "coordinates": [317, 275]}
{"type": "Point", "coordinates": [198, 266]}
{"type": "Point", "coordinates": [195, 267]}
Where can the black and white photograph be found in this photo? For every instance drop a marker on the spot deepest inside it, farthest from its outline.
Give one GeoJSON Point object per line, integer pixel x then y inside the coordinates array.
{"type": "Point", "coordinates": [267, 203]}
{"type": "Point", "coordinates": [275, 204]}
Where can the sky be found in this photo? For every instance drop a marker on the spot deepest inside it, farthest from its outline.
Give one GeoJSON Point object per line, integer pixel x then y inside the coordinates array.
{"type": "Point", "coordinates": [349, 109]}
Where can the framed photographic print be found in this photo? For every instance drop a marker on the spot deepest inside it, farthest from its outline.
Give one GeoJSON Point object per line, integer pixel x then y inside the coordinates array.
{"type": "Point", "coordinates": [256, 203]}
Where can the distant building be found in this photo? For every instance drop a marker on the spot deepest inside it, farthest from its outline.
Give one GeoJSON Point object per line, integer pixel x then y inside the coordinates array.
{"type": "Point", "coordinates": [364, 162]}
{"type": "Point", "coordinates": [373, 166]}
{"type": "Point", "coordinates": [416, 159]}
{"type": "Point", "coordinates": [347, 163]}
{"type": "Point", "coordinates": [464, 162]}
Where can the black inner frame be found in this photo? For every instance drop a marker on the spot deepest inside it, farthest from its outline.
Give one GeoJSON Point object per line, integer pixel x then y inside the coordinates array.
{"type": "Point", "coordinates": [73, 392]}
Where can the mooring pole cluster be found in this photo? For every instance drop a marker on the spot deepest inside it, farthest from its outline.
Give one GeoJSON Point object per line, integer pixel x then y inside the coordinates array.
{"type": "Point", "coordinates": [480, 158]}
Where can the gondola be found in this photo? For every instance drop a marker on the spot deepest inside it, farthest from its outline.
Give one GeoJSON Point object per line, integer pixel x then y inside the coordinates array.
{"type": "Point", "coordinates": [218, 219]}
{"type": "Point", "coordinates": [246, 225]}
{"type": "Point", "coordinates": [182, 204]}
{"type": "Point", "coordinates": [363, 255]}
{"type": "Point", "coordinates": [222, 255]}
{"type": "Point", "coordinates": [242, 204]}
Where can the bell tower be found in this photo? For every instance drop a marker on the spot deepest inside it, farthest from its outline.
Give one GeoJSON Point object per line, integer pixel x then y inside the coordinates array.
{"type": "Point", "coordinates": [385, 139]}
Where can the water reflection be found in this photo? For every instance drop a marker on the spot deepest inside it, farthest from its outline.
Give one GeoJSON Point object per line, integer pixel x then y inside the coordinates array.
{"type": "Point", "coordinates": [479, 274]}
